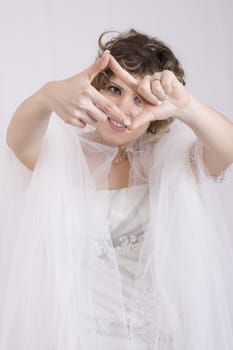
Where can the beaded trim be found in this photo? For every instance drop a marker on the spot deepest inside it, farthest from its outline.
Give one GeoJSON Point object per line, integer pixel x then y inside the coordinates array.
{"type": "Point", "coordinates": [196, 161]}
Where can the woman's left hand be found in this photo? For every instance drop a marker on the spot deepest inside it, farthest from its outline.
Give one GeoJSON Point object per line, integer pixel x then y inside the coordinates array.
{"type": "Point", "coordinates": [163, 94]}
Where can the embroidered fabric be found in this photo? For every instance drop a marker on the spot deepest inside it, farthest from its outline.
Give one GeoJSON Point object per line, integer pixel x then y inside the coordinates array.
{"type": "Point", "coordinates": [196, 163]}
{"type": "Point", "coordinates": [128, 218]}
{"type": "Point", "coordinates": [129, 212]}
{"type": "Point", "coordinates": [142, 321]}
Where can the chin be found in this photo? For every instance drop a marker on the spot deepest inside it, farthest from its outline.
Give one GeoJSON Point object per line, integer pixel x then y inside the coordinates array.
{"type": "Point", "coordinates": [114, 140]}
{"type": "Point", "coordinates": [110, 136]}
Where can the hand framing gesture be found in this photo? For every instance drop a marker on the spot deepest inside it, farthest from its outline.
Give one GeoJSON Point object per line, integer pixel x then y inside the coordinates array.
{"type": "Point", "coordinates": [77, 102]}
{"type": "Point", "coordinates": [163, 94]}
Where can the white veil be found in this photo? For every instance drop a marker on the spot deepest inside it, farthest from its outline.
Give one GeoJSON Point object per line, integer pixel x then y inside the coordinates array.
{"type": "Point", "coordinates": [57, 255]}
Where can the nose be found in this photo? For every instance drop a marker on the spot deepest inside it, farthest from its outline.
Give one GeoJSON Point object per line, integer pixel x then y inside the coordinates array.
{"type": "Point", "coordinates": [125, 104]}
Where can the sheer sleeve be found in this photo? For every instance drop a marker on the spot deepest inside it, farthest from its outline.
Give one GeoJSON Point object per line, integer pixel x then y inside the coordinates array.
{"type": "Point", "coordinates": [198, 167]}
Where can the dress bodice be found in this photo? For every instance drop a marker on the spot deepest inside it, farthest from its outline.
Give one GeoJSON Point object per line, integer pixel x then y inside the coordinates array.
{"type": "Point", "coordinates": [127, 216]}
{"type": "Point", "coordinates": [128, 213]}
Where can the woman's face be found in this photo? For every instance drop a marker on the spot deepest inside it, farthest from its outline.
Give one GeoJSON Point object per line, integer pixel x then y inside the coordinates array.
{"type": "Point", "coordinates": [111, 132]}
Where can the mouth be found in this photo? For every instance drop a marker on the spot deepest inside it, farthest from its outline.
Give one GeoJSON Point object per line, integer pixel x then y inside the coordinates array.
{"type": "Point", "coordinates": [116, 125]}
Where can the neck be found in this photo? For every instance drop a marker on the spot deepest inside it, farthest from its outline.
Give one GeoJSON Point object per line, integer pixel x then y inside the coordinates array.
{"type": "Point", "coordinates": [121, 155]}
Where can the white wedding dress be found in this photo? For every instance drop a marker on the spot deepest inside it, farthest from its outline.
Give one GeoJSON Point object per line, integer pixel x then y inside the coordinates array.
{"type": "Point", "coordinates": [148, 267]}
{"type": "Point", "coordinates": [128, 212]}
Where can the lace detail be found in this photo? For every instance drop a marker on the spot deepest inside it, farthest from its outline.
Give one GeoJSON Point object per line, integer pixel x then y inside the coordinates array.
{"type": "Point", "coordinates": [101, 248]}
{"type": "Point", "coordinates": [144, 315]}
{"type": "Point", "coordinates": [137, 315]}
{"type": "Point", "coordinates": [198, 167]}
{"type": "Point", "coordinates": [124, 245]}
{"type": "Point", "coordinates": [110, 324]}
{"type": "Point", "coordinates": [127, 243]}
{"type": "Point", "coordinates": [141, 320]}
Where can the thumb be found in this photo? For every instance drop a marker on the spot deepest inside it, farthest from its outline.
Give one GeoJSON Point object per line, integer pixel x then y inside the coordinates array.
{"type": "Point", "coordinates": [101, 63]}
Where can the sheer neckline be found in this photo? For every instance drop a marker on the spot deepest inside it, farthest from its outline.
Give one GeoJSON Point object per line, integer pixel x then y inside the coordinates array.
{"type": "Point", "coordinates": [124, 189]}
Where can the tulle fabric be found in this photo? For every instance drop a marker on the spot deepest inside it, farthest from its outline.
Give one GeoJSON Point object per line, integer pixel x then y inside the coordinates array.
{"type": "Point", "coordinates": [56, 249]}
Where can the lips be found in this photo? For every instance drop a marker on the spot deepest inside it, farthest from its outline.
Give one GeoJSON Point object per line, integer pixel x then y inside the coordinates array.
{"type": "Point", "coordinates": [116, 125]}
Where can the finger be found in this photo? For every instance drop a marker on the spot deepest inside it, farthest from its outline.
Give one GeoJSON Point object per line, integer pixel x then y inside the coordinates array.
{"type": "Point", "coordinates": [167, 81]}
{"type": "Point", "coordinates": [144, 117]}
{"type": "Point", "coordinates": [100, 64]}
{"type": "Point", "coordinates": [144, 89]}
{"type": "Point", "coordinates": [95, 113]}
{"type": "Point", "coordinates": [85, 117]}
{"type": "Point", "coordinates": [157, 89]}
{"type": "Point", "coordinates": [150, 114]}
{"type": "Point", "coordinates": [76, 122]}
{"type": "Point", "coordinates": [156, 76]}
{"type": "Point", "coordinates": [108, 108]}
{"type": "Point", "coordinates": [156, 86]}
{"type": "Point", "coordinates": [66, 114]}
{"type": "Point", "coordinates": [121, 73]}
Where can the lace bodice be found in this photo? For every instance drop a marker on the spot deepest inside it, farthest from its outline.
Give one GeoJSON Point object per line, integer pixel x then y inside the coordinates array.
{"type": "Point", "coordinates": [128, 214]}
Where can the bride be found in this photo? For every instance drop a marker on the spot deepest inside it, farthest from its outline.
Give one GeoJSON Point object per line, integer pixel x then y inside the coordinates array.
{"type": "Point", "coordinates": [111, 233]}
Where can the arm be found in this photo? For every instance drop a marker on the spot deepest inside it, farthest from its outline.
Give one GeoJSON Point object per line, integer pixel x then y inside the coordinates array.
{"type": "Point", "coordinates": [27, 128]}
{"type": "Point", "coordinates": [74, 100]}
{"type": "Point", "coordinates": [214, 131]}
{"type": "Point", "coordinates": [164, 97]}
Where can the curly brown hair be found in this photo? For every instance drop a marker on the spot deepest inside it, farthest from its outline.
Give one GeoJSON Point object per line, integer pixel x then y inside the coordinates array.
{"type": "Point", "coordinates": [138, 54]}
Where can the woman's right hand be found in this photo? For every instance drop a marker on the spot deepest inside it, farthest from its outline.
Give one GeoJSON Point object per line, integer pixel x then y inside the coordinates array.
{"type": "Point", "coordinates": [77, 102]}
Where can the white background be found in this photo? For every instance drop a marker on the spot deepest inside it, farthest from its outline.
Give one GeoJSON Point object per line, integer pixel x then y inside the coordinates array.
{"type": "Point", "coordinates": [52, 39]}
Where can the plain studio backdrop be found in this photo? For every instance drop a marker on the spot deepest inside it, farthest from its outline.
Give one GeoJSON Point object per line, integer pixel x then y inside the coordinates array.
{"type": "Point", "coordinates": [53, 39]}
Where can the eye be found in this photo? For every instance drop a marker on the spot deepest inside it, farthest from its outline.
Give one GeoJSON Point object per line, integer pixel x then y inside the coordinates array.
{"type": "Point", "coordinates": [114, 90]}
{"type": "Point", "coordinates": [138, 101]}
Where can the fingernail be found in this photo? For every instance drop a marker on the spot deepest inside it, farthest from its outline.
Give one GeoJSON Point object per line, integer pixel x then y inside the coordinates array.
{"type": "Point", "coordinates": [158, 102]}
{"type": "Point", "coordinates": [106, 52]}
{"type": "Point", "coordinates": [127, 122]}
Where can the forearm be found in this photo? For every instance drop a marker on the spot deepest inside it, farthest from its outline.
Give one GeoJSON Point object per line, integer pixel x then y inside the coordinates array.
{"type": "Point", "coordinates": [28, 124]}
{"type": "Point", "coordinates": [213, 129]}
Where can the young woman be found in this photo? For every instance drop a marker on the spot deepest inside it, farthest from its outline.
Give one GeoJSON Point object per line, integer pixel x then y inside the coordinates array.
{"type": "Point", "coordinates": [112, 237]}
